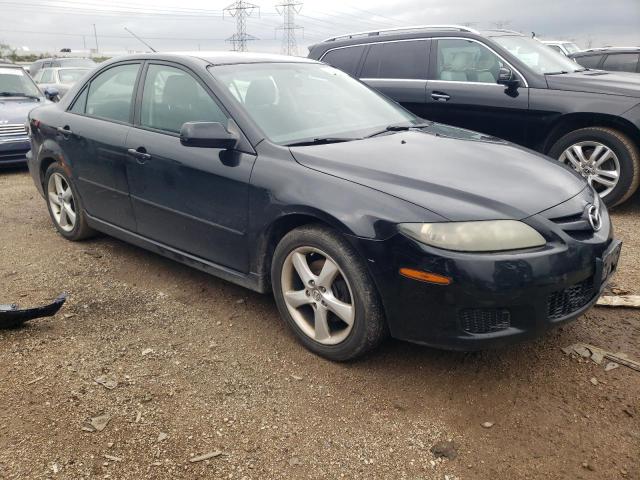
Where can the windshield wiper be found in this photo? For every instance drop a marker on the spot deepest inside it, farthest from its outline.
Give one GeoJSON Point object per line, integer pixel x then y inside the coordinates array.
{"type": "Point", "coordinates": [18, 94]}
{"type": "Point", "coordinates": [400, 128]}
{"type": "Point", "coordinates": [322, 141]}
{"type": "Point", "coordinates": [561, 72]}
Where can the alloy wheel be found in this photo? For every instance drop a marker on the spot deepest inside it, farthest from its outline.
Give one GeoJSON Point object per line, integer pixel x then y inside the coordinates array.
{"type": "Point", "coordinates": [61, 202]}
{"type": "Point", "coordinates": [596, 162]}
{"type": "Point", "coordinates": [318, 295]}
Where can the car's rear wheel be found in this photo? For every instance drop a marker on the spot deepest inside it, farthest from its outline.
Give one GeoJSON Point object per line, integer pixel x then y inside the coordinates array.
{"type": "Point", "coordinates": [324, 292]}
{"type": "Point", "coordinates": [605, 157]}
{"type": "Point", "coordinates": [65, 206]}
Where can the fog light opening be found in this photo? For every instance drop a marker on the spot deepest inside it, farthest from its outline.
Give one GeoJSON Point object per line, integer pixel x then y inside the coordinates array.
{"type": "Point", "coordinates": [427, 277]}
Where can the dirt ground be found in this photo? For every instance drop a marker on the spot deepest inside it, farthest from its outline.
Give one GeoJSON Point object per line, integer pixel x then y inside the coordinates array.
{"type": "Point", "coordinates": [203, 366]}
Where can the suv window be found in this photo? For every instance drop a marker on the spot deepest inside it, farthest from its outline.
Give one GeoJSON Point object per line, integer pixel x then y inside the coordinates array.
{"type": "Point", "coordinates": [172, 97]}
{"type": "Point", "coordinates": [346, 59]}
{"type": "Point", "coordinates": [466, 61]}
{"type": "Point", "coordinates": [110, 93]}
{"type": "Point", "coordinates": [621, 62]}
{"type": "Point", "coordinates": [589, 61]}
{"type": "Point", "coordinates": [406, 60]}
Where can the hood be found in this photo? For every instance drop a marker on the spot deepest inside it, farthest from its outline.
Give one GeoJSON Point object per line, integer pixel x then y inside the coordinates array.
{"type": "Point", "coordinates": [597, 81]}
{"type": "Point", "coordinates": [459, 175]}
{"type": "Point", "coordinates": [16, 109]}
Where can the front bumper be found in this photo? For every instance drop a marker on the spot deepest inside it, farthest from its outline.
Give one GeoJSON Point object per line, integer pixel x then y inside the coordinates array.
{"type": "Point", "coordinates": [494, 299]}
{"type": "Point", "coordinates": [13, 151]}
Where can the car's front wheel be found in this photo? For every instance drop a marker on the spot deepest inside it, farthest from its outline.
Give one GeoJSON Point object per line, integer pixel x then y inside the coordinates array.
{"type": "Point", "coordinates": [64, 205]}
{"type": "Point", "coordinates": [325, 293]}
{"type": "Point", "coordinates": [605, 157]}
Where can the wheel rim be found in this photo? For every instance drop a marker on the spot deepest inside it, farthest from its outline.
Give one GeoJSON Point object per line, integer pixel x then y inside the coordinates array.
{"type": "Point", "coordinates": [596, 162]}
{"type": "Point", "coordinates": [318, 295]}
{"type": "Point", "coordinates": [63, 207]}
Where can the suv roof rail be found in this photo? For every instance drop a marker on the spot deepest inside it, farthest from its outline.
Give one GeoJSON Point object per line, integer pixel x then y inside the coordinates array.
{"type": "Point", "coordinates": [503, 30]}
{"type": "Point", "coordinates": [390, 31]}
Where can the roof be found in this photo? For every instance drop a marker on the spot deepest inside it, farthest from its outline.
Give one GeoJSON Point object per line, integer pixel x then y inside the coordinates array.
{"type": "Point", "coordinates": [593, 51]}
{"type": "Point", "coordinates": [9, 65]}
{"type": "Point", "coordinates": [227, 58]}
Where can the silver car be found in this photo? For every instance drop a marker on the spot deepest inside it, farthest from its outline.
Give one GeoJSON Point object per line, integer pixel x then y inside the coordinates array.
{"type": "Point", "coordinates": [60, 79]}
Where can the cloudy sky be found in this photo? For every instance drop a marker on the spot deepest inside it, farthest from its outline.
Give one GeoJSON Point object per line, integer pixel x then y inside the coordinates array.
{"type": "Point", "coordinates": [42, 25]}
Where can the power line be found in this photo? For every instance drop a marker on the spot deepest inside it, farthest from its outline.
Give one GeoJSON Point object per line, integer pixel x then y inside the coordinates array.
{"type": "Point", "coordinates": [288, 10]}
{"type": "Point", "coordinates": [241, 10]}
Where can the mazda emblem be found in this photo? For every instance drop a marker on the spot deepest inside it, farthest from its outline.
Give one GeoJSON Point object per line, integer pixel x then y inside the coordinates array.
{"type": "Point", "coordinates": [594, 217]}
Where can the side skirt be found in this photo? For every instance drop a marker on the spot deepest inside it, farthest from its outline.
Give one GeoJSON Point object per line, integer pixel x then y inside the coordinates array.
{"type": "Point", "coordinates": [252, 281]}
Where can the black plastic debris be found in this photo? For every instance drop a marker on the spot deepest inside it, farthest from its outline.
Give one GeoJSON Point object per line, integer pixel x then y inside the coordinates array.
{"type": "Point", "coordinates": [13, 316]}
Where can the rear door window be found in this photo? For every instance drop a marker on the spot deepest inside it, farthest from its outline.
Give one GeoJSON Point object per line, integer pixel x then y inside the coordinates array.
{"type": "Point", "coordinates": [111, 93]}
{"type": "Point", "coordinates": [346, 59]}
{"type": "Point", "coordinates": [401, 60]}
{"type": "Point", "coordinates": [621, 62]}
{"type": "Point", "coordinates": [589, 61]}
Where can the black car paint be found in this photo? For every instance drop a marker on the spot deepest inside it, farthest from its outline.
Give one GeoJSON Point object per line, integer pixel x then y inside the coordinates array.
{"type": "Point", "coordinates": [535, 114]}
{"type": "Point", "coordinates": [222, 211]}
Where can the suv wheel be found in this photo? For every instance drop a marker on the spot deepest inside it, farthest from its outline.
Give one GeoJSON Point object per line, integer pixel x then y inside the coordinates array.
{"type": "Point", "coordinates": [64, 205]}
{"type": "Point", "coordinates": [324, 292]}
{"type": "Point", "coordinates": [608, 159]}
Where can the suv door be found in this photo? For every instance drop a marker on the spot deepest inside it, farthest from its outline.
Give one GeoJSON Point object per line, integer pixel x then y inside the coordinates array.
{"type": "Point", "coordinates": [194, 199]}
{"type": "Point", "coordinates": [92, 135]}
{"type": "Point", "coordinates": [463, 91]}
{"type": "Point", "coordinates": [398, 69]}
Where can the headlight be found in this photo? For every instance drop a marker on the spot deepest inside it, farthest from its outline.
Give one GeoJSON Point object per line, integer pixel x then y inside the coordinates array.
{"type": "Point", "coordinates": [486, 236]}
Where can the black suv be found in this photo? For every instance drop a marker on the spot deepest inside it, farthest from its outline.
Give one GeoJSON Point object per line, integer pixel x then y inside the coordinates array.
{"type": "Point", "coordinates": [613, 59]}
{"type": "Point", "coordinates": [507, 85]}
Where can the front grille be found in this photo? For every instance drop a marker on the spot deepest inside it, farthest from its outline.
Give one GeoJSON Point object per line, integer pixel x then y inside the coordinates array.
{"type": "Point", "coordinates": [571, 299]}
{"type": "Point", "coordinates": [576, 226]}
{"type": "Point", "coordinates": [484, 320]}
{"type": "Point", "coordinates": [12, 130]}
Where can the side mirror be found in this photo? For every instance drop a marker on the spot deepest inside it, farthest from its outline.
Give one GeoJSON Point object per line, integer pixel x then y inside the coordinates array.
{"type": "Point", "coordinates": [51, 93]}
{"type": "Point", "coordinates": [507, 78]}
{"type": "Point", "coordinates": [207, 134]}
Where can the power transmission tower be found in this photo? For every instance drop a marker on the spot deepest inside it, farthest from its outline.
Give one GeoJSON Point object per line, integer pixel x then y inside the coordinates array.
{"type": "Point", "coordinates": [241, 10]}
{"type": "Point", "coordinates": [288, 10]}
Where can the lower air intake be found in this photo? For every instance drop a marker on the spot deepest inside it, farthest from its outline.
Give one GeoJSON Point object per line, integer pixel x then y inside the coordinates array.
{"type": "Point", "coordinates": [484, 320]}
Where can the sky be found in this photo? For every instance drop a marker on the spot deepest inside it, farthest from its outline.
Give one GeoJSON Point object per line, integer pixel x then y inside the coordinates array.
{"type": "Point", "coordinates": [49, 25]}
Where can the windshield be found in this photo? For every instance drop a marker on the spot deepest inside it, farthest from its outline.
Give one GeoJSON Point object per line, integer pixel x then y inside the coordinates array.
{"type": "Point", "coordinates": [294, 102]}
{"type": "Point", "coordinates": [537, 56]}
{"type": "Point", "coordinates": [71, 75]}
{"type": "Point", "coordinates": [15, 81]}
{"type": "Point", "coordinates": [571, 47]}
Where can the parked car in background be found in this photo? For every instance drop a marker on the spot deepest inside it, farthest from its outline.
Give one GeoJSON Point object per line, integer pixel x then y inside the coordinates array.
{"type": "Point", "coordinates": [59, 78]}
{"type": "Point", "coordinates": [60, 62]}
{"type": "Point", "coordinates": [508, 85]}
{"type": "Point", "coordinates": [284, 174]}
{"type": "Point", "coordinates": [566, 48]}
{"type": "Point", "coordinates": [18, 95]}
{"type": "Point", "coordinates": [612, 59]}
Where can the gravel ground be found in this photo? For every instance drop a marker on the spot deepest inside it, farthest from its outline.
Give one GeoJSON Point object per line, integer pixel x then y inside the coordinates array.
{"type": "Point", "coordinates": [201, 367]}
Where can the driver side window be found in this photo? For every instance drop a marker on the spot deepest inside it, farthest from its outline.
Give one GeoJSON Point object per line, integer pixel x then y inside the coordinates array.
{"type": "Point", "coordinates": [466, 61]}
{"type": "Point", "coordinates": [173, 97]}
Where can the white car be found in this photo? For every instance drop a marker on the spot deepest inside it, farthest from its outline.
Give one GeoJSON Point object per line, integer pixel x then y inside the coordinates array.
{"type": "Point", "coordinates": [566, 48]}
{"type": "Point", "coordinates": [59, 78]}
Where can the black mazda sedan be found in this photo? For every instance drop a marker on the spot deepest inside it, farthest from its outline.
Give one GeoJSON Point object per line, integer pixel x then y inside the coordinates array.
{"type": "Point", "coordinates": [285, 174]}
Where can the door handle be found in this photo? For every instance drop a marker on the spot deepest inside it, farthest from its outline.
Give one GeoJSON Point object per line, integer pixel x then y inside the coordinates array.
{"type": "Point", "coordinates": [65, 131]}
{"type": "Point", "coordinates": [440, 97]}
{"type": "Point", "coordinates": [140, 154]}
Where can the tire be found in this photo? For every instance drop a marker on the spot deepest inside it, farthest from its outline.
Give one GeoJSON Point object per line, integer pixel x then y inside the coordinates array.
{"type": "Point", "coordinates": [74, 229]}
{"type": "Point", "coordinates": [350, 285]}
{"type": "Point", "coordinates": [626, 154]}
